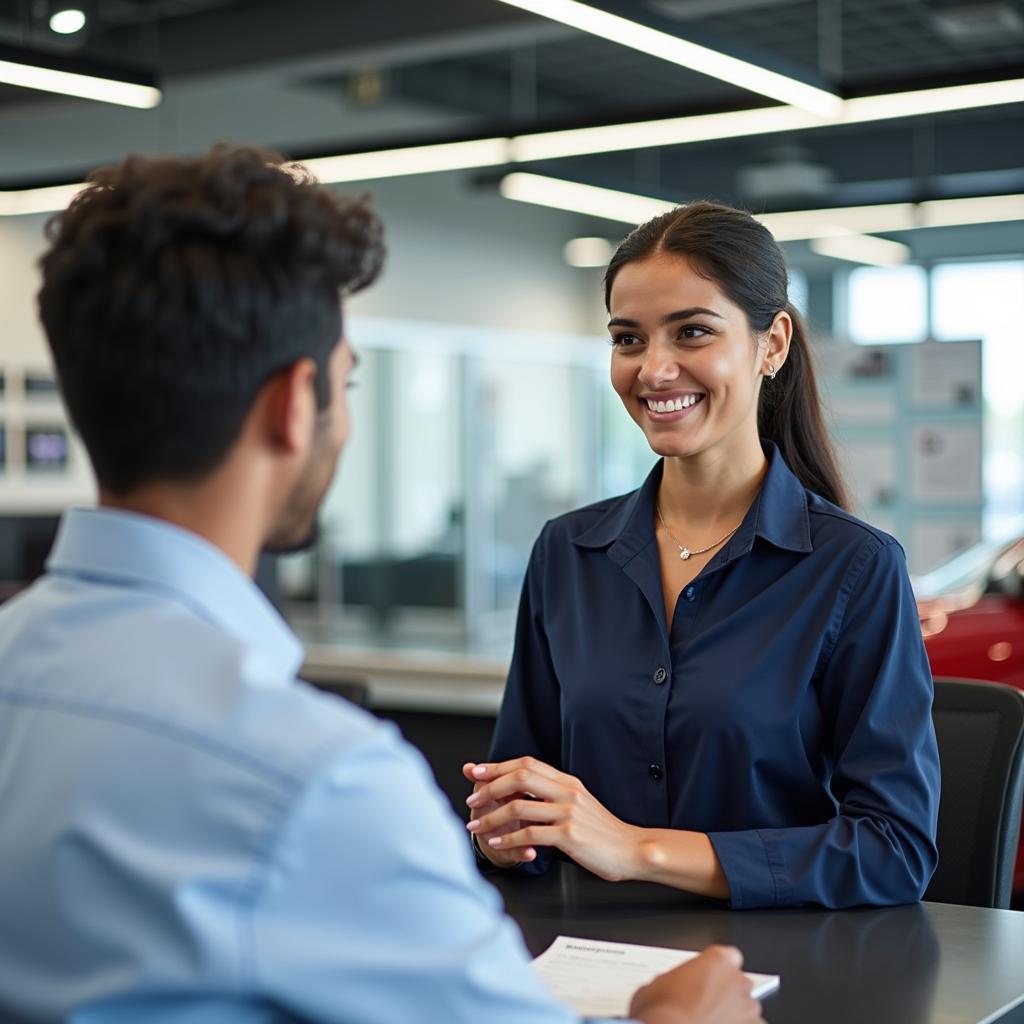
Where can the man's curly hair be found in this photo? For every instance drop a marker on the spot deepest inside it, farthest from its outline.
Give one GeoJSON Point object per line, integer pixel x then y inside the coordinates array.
{"type": "Point", "coordinates": [173, 288]}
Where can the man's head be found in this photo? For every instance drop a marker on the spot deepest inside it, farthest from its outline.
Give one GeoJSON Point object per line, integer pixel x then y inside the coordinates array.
{"type": "Point", "coordinates": [180, 292]}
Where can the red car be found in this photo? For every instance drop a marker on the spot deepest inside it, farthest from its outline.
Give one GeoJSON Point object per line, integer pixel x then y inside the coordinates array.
{"type": "Point", "coordinates": [972, 618]}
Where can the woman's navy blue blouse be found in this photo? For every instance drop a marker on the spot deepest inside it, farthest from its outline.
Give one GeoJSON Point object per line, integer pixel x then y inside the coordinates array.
{"type": "Point", "coordinates": [787, 713]}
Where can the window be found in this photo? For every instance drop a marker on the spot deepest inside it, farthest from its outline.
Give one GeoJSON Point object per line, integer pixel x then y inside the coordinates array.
{"type": "Point", "coordinates": [888, 305]}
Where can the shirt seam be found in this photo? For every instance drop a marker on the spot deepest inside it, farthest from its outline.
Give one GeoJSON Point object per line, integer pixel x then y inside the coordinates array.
{"type": "Point", "coordinates": [853, 578]}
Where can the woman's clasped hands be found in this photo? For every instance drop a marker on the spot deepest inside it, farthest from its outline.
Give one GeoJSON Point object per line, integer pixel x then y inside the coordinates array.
{"type": "Point", "coordinates": [524, 803]}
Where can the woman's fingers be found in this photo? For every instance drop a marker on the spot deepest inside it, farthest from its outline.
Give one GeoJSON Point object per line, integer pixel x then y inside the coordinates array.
{"type": "Point", "coordinates": [523, 780]}
{"type": "Point", "coordinates": [514, 812]}
{"type": "Point", "coordinates": [530, 836]}
{"type": "Point", "coordinates": [487, 771]}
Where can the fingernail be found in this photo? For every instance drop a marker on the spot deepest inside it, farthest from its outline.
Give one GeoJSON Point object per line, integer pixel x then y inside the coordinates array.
{"type": "Point", "coordinates": [494, 841]}
{"type": "Point", "coordinates": [473, 825]}
{"type": "Point", "coordinates": [472, 800]}
{"type": "Point", "coordinates": [480, 771]}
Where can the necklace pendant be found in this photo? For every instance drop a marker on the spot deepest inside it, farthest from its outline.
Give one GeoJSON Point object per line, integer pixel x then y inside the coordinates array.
{"type": "Point", "coordinates": [684, 553]}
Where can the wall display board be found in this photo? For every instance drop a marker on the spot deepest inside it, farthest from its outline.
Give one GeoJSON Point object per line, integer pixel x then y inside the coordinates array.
{"type": "Point", "coordinates": [43, 466]}
{"type": "Point", "coordinates": [908, 420]}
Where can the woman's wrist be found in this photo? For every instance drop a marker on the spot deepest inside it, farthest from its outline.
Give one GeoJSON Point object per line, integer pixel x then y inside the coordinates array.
{"type": "Point", "coordinates": [685, 860]}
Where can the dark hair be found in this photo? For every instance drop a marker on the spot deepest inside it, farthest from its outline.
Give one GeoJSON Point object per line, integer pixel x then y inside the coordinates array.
{"type": "Point", "coordinates": [738, 253]}
{"type": "Point", "coordinates": [173, 288]}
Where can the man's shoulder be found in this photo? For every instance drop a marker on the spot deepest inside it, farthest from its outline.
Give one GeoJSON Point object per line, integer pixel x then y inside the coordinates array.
{"type": "Point", "coordinates": [151, 668]}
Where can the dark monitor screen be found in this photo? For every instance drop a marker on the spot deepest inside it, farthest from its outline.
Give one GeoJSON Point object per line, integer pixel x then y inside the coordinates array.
{"type": "Point", "coordinates": [25, 543]}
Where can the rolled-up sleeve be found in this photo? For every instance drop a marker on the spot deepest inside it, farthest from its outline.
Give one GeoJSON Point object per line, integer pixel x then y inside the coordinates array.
{"type": "Point", "coordinates": [875, 690]}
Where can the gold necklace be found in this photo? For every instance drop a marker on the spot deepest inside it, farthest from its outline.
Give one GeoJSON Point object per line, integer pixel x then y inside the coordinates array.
{"type": "Point", "coordinates": [684, 551]}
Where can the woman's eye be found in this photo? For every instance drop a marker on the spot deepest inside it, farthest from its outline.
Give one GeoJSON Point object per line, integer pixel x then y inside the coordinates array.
{"type": "Point", "coordinates": [694, 331]}
{"type": "Point", "coordinates": [624, 340]}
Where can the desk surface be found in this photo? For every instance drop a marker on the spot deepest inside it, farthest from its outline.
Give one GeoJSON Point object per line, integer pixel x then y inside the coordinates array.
{"type": "Point", "coordinates": [928, 963]}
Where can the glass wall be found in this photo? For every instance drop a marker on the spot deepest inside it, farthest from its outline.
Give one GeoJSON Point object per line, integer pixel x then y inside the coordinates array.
{"type": "Point", "coordinates": [465, 442]}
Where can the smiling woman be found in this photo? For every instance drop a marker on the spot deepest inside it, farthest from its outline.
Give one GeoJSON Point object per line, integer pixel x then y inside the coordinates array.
{"type": "Point", "coordinates": [719, 681]}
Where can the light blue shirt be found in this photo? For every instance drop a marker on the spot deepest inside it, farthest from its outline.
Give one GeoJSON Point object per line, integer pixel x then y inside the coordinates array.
{"type": "Point", "coordinates": [189, 834]}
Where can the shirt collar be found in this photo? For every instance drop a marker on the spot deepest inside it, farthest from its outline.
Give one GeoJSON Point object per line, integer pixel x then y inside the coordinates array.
{"type": "Point", "coordinates": [779, 515]}
{"type": "Point", "coordinates": [128, 549]}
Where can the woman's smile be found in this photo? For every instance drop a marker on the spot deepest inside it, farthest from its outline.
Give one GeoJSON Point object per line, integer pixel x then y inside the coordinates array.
{"type": "Point", "coordinates": [671, 406]}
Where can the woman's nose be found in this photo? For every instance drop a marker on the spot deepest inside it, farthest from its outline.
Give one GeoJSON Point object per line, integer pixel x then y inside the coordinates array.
{"type": "Point", "coordinates": [659, 366]}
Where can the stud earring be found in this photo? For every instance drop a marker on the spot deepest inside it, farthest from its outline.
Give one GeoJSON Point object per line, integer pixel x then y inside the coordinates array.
{"type": "Point", "coordinates": [771, 372]}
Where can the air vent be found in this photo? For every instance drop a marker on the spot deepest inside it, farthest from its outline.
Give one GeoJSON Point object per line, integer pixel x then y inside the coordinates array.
{"type": "Point", "coordinates": [786, 173]}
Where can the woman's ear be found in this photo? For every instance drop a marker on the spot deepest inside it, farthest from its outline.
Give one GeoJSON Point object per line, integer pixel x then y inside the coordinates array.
{"type": "Point", "coordinates": [776, 347]}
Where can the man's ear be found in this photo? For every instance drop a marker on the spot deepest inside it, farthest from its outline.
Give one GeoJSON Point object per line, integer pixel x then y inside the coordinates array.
{"type": "Point", "coordinates": [289, 402]}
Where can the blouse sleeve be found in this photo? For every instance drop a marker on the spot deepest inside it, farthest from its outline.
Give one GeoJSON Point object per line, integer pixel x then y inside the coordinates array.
{"type": "Point", "coordinates": [529, 723]}
{"type": "Point", "coordinates": [876, 696]}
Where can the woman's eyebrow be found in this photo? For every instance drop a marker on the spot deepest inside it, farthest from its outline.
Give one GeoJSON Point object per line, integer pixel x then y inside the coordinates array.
{"type": "Point", "coordinates": [668, 318]}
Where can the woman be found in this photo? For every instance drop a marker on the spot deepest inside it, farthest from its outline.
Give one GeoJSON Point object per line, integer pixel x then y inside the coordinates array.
{"type": "Point", "coordinates": [719, 681]}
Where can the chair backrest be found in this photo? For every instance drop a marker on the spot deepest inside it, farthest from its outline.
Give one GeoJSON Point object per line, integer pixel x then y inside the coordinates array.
{"type": "Point", "coordinates": [980, 731]}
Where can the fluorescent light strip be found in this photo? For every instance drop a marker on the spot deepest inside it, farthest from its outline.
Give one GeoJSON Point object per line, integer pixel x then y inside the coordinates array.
{"type": "Point", "coordinates": [391, 163]}
{"type": "Point", "coordinates": [801, 224]}
{"type": "Point", "coordinates": [937, 213]}
{"type": "Point", "coordinates": [677, 131]}
{"type": "Point", "coordinates": [89, 87]}
{"type": "Point", "coordinates": [37, 200]}
{"type": "Point", "coordinates": [797, 225]}
{"type": "Point", "coordinates": [877, 252]}
{"type": "Point", "coordinates": [685, 53]}
{"type": "Point", "coordinates": [588, 199]}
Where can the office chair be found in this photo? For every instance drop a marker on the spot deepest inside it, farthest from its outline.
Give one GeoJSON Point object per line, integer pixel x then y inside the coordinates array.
{"type": "Point", "coordinates": [980, 730]}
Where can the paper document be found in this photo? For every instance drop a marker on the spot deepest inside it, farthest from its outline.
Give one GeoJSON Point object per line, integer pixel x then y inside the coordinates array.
{"type": "Point", "coordinates": [598, 979]}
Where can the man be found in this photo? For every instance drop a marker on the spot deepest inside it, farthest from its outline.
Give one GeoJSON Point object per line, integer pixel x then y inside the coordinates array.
{"type": "Point", "coordinates": [188, 833]}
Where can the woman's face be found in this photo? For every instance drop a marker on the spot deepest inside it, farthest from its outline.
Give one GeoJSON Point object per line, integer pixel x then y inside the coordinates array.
{"type": "Point", "coordinates": [684, 360]}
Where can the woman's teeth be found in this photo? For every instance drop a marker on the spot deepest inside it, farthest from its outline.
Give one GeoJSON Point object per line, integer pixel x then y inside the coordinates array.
{"type": "Point", "coordinates": [673, 405]}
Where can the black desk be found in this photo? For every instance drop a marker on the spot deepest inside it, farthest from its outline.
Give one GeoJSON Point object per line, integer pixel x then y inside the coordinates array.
{"type": "Point", "coordinates": [928, 963]}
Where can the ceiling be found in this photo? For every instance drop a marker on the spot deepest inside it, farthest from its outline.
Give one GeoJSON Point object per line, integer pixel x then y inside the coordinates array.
{"type": "Point", "coordinates": [313, 76]}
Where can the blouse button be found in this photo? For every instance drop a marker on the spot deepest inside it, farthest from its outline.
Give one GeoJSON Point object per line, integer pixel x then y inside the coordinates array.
{"type": "Point", "coordinates": [660, 675]}
{"type": "Point", "coordinates": [655, 772]}
{"type": "Point", "coordinates": [690, 593]}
